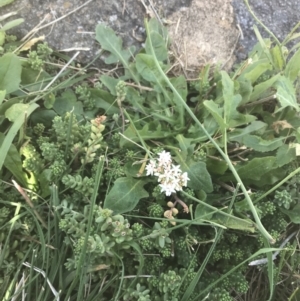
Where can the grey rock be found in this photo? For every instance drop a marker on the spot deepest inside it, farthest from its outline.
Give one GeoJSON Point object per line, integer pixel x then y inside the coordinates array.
{"type": "Point", "coordinates": [204, 31]}
{"type": "Point", "coordinates": [280, 16]}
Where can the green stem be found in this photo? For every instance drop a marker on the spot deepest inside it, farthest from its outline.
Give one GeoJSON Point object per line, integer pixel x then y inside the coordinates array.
{"type": "Point", "coordinates": [260, 226]}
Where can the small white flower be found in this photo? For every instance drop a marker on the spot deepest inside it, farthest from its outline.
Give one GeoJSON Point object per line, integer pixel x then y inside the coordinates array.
{"type": "Point", "coordinates": [184, 178]}
{"type": "Point", "coordinates": [169, 175]}
{"type": "Point", "coordinates": [151, 168]}
{"type": "Point", "coordinates": [164, 158]}
{"type": "Point", "coordinates": [167, 188]}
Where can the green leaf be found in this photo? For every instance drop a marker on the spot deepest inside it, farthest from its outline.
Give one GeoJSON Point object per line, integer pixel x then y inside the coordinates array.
{"type": "Point", "coordinates": [256, 69]}
{"type": "Point", "coordinates": [110, 42]}
{"type": "Point", "coordinates": [146, 133]}
{"type": "Point", "coordinates": [286, 94]}
{"type": "Point", "coordinates": [197, 172]}
{"type": "Point", "coordinates": [238, 134]}
{"type": "Point", "coordinates": [2, 96]}
{"type": "Point", "coordinates": [145, 65]}
{"type": "Point", "coordinates": [5, 2]}
{"type": "Point", "coordinates": [18, 122]}
{"type": "Point", "coordinates": [232, 117]}
{"type": "Point", "coordinates": [293, 214]}
{"type": "Point", "coordinates": [159, 40]}
{"type": "Point", "coordinates": [185, 144]}
{"type": "Point", "coordinates": [15, 110]}
{"type": "Point", "coordinates": [67, 102]}
{"type": "Point", "coordinates": [159, 46]}
{"type": "Point", "coordinates": [254, 169]}
{"type": "Point", "coordinates": [10, 72]}
{"type": "Point", "coordinates": [49, 100]}
{"type": "Point", "coordinates": [285, 154]}
{"type": "Point", "coordinates": [12, 24]}
{"type": "Point", "coordinates": [261, 145]}
{"type": "Point", "coordinates": [125, 194]}
{"type": "Point", "coordinates": [217, 167]}
{"type": "Point", "coordinates": [13, 163]}
{"type": "Point", "coordinates": [293, 66]}
{"type": "Point", "coordinates": [233, 222]}
{"type": "Point", "coordinates": [278, 59]}
{"type": "Point", "coordinates": [216, 112]}
{"type": "Point", "coordinates": [263, 87]}
{"type": "Point", "coordinates": [263, 44]}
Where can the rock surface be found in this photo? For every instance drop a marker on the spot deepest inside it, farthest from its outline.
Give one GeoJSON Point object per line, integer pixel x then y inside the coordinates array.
{"type": "Point", "coordinates": [203, 31]}
{"type": "Point", "coordinates": [280, 16]}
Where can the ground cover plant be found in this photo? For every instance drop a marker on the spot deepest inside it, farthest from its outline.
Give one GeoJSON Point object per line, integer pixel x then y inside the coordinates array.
{"type": "Point", "coordinates": [136, 184]}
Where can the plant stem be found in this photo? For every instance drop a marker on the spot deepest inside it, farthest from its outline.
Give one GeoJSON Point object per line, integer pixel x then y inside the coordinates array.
{"type": "Point", "coordinates": [260, 226]}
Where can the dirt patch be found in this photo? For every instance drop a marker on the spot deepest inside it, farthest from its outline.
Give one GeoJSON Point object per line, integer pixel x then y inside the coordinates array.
{"type": "Point", "coordinates": [204, 33]}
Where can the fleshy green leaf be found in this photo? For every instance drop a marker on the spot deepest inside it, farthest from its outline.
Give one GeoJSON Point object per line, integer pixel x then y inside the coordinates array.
{"type": "Point", "coordinates": [15, 110]}
{"type": "Point", "coordinates": [125, 194]}
{"type": "Point", "coordinates": [10, 72]}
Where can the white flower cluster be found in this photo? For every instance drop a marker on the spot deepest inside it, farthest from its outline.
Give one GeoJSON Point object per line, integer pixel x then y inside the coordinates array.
{"type": "Point", "coordinates": [170, 176]}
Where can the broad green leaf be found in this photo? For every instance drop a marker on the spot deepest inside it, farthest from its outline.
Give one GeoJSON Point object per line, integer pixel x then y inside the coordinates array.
{"type": "Point", "coordinates": [112, 43]}
{"type": "Point", "coordinates": [254, 71]}
{"type": "Point", "coordinates": [197, 172]}
{"type": "Point", "coordinates": [13, 163]}
{"type": "Point", "coordinates": [245, 89]}
{"type": "Point", "coordinates": [13, 132]}
{"type": "Point", "coordinates": [12, 24]}
{"type": "Point", "coordinates": [238, 134]}
{"type": "Point", "coordinates": [49, 100]}
{"type": "Point", "coordinates": [286, 94]}
{"type": "Point", "coordinates": [2, 96]}
{"type": "Point", "coordinates": [217, 167]}
{"type": "Point", "coordinates": [146, 133]}
{"type": "Point", "coordinates": [159, 46]}
{"type": "Point", "coordinates": [15, 111]}
{"type": "Point", "coordinates": [105, 101]}
{"type": "Point", "coordinates": [5, 2]}
{"type": "Point", "coordinates": [110, 83]}
{"type": "Point", "coordinates": [68, 102]}
{"type": "Point", "coordinates": [34, 80]}
{"type": "Point", "coordinates": [285, 154]}
{"type": "Point", "coordinates": [263, 87]}
{"type": "Point", "coordinates": [43, 116]}
{"type": "Point", "coordinates": [185, 144]}
{"type": "Point", "coordinates": [2, 37]}
{"type": "Point", "coordinates": [233, 222]}
{"type": "Point", "coordinates": [10, 72]}
{"type": "Point", "coordinates": [145, 65]}
{"type": "Point", "coordinates": [293, 214]}
{"type": "Point", "coordinates": [254, 169]}
{"type": "Point", "coordinates": [230, 222]}
{"type": "Point", "coordinates": [125, 195]}
{"type": "Point", "coordinates": [278, 59]}
{"type": "Point", "coordinates": [211, 126]}
{"type": "Point", "coordinates": [232, 117]}
{"type": "Point", "coordinates": [261, 145]}
{"type": "Point", "coordinates": [204, 212]}
{"type": "Point", "coordinates": [293, 67]}
{"type": "Point", "coordinates": [216, 112]}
